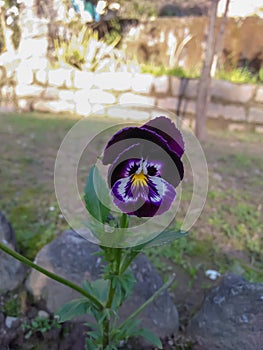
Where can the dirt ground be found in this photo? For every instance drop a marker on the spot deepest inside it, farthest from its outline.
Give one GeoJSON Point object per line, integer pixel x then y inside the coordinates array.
{"type": "Point", "coordinates": [227, 236]}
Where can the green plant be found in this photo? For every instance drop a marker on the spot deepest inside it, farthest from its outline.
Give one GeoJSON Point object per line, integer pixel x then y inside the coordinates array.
{"type": "Point", "coordinates": [237, 75]}
{"type": "Point", "coordinates": [85, 50]}
{"type": "Point", "coordinates": [12, 306]}
{"type": "Point", "coordinates": [104, 297]}
{"type": "Point", "coordinates": [39, 324]}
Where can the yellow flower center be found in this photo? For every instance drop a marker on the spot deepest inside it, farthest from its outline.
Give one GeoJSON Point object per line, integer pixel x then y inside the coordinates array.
{"type": "Point", "coordinates": [139, 179]}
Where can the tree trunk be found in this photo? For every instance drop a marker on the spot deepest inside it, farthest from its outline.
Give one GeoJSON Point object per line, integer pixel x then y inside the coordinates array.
{"type": "Point", "coordinates": [219, 42]}
{"type": "Point", "coordinates": [2, 31]}
{"type": "Point", "coordinates": [203, 94]}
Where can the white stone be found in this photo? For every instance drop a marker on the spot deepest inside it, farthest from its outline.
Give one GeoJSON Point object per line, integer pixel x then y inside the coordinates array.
{"type": "Point", "coordinates": [161, 84]}
{"type": "Point", "coordinates": [41, 76]}
{"type": "Point", "coordinates": [7, 92]}
{"type": "Point", "coordinates": [99, 96]}
{"type": "Point", "coordinates": [31, 47]}
{"type": "Point", "coordinates": [187, 106]}
{"type": "Point", "coordinates": [255, 115]}
{"type": "Point", "coordinates": [24, 73]}
{"type": "Point", "coordinates": [24, 105]}
{"type": "Point", "coordinates": [228, 91]}
{"type": "Point", "coordinates": [23, 90]}
{"type": "Point", "coordinates": [184, 87]}
{"type": "Point", "coordinates": [9, 321]}
{"type": "Point", "coordinates": [228, 112]}
{"type": "Point", "coordinates": [54, 106]}
{"type": "Point", "coordinates": [130, 98]}
{"type": "Point", "coordinates": [60, 77]}
{"type": "Point", "coordinates": [128, 114]}
{"type": "Point", "coordinates": [236, 127]}
{"type": "Point", "coordinates": [51, 93]}
{"type": "Point", "coordinates": [83, 80]}
{"type": "Point", "coordinates": [119, 81]}
{"type": "Point", "coordinates": [212, 274]}
{"type": "Point", "coordinates": [98, 109]}
{"type": "Point", "coordinates": [10, 62]}
{"type": "Point", "coordinates": [37, 63]}
{"type": "Point", "coordinates": [82, 105]}
{"type": "Point", "coordinates": [66, 95]}
{"type": "Point", "coordinates": [142, 83]}
{"type": "Point", "coordinates": [168, 103]}
{"type": "Point", "coordinates": [43, 314]}
{"type": "Point", "coordinates": [259, 95]}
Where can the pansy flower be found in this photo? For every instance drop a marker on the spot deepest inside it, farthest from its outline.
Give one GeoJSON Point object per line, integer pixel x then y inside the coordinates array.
{"type": "Point", "coordinates": [145, 167]}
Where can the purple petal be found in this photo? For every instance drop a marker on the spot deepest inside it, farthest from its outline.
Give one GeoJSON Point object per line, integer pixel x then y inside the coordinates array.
{"type": "Point", "coordinates": [171, 164]}
{"type": "Point", "coordinates": [125, 138]}
{"type": "Point", "coordinates": [166, 128]}
{"type": "Point", "coordinates": [154, 201]}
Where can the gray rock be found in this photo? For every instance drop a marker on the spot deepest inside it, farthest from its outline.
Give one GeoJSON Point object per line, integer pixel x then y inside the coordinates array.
{"type": "Point", "coordinates": [9, 321]}
{"type": "Point", "coordinates": [12, 272]}
{"type": "Point", "coordinates": [6, 231]}
{"type": "Point", "coordinates": [72, 257]}
{"type": "Point", "coordinates": [231, 317]}
{"type": "Point", "coordinates": [43, 314]}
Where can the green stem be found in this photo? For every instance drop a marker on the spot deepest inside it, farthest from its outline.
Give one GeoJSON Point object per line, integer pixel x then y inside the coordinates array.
{"type": "Point", "coordinates": [51, 275]}
{"type": "Point", "coordinates": [127, 261]}
{"type": "Point", "coordinates": [124, 221]}
{"type": "Point", "coordinates": [106, 322]}
{"type": "Point", "coordinates": [149, 301]}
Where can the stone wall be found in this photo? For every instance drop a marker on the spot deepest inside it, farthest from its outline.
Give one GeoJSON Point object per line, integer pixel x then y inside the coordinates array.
{"type": "Point", "coordinates": [160, 41]}
{"type": "Point", "coordinates": [83, 93]}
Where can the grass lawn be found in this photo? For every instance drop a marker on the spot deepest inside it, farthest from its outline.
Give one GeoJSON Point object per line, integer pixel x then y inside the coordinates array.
{"type": "Point", "coordinates": [227, 236]}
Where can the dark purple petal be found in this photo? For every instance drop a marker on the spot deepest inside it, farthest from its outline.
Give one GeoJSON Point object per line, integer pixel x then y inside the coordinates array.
{"type": "Point", "coordinates": [154, 200]}
{"type": "Point", "coordinates": [145, 167]}
{"type": "Point", "coordinates": [160, 131]}
{"type": "Point", "coordinates": [170, 164]}
{"type": "Point", "coordinates": [166, 128]}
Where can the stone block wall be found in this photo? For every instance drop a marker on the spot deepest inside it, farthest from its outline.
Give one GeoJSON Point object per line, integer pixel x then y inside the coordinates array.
{"type": "Point", "coordinates": [38, 88]}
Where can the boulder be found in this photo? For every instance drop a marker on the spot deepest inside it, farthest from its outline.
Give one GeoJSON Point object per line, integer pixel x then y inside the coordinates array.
{"type": "Point", "coordinates": [6, 231]}
{"type": "Point", "coordinates": [231, 317]}
{"type": "Point", "coordinates": [72, 257]}
{"type": "Point", "coordinates": [12, 272]}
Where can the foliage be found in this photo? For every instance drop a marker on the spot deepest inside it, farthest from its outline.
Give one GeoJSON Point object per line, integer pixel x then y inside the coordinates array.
{"type": "Point", "coordinates": [95, 189]}
{"type": "Point", "coordinates": [237, 75]}
{"type": "Point", "coordinates": [85, 50]}
{"type": "Point", "coordinates": [11, 13]}
{"type": "Point", "coordinates": [12, 306]}
{"type": "Point", "coordinates": [115, 285]}
{"type": "Point", "coordinates": [39, 324]}
{"type": "Point", "coordinates": [161, 70]}
{"type": "Point", "coordinates": [138, 9]}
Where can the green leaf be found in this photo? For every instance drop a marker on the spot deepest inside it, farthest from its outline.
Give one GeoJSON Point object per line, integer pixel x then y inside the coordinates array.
{"type": "Point", "coordinates": [99, 289]}
{"type": "Point", "coordinates": [164, 237]}
{"type": "Point", "coordinates": [90, 345]}
{"type": "Point", "coordinates": [150, 337]}
{"type": "Point", "coordinates": [124, 286]}
{"type": "Point", "coordinates": [73, 309]}
{"type": "Point", "coordinates": [129, 329]}
{"type": "Point", "coordinates": [95, 191]}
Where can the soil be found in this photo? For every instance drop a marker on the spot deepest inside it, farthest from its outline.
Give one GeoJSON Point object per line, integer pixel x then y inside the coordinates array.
{"type": "Point", "coordinates": [29, 145]}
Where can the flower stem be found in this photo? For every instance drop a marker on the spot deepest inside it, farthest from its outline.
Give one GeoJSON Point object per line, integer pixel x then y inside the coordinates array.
{"type": "Point", "coordinates": [116, 271]}
{"type": "Point", "coordinates": [51, 275]}
{"type": "Point", "coordinates": [150, 300]}
{"type": "Point", "coordinates": [124, 221]}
